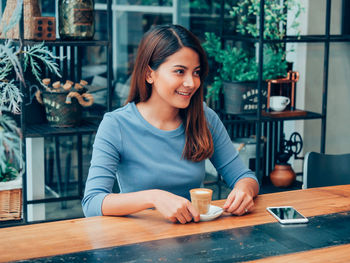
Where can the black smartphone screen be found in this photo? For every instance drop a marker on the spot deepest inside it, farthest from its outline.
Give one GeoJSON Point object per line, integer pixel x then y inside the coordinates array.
{"type": "Point", "coordinates": [286, 213]}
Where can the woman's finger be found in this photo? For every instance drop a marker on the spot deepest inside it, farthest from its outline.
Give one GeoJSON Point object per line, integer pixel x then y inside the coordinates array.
{"type": "Point", "coordinates": [229, 200]}
{"type": "Point", "coordinates": [194, 213]}
{"type": "Point", "coordinates": [173, 219]}
{"type": "Point", "coordinates": [235, 205]}
{"type": "Point", "coordinates": [250, 207]}
{"type": "Point", "coordinates": [187, 215]}
{"type": "Point", "coordinates": [181, 219]}
{"type": "Point", "coordinates": [244, 207]}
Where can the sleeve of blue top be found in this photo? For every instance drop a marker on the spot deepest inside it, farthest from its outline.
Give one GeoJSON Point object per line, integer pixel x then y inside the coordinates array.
{"type": "Point", "coordinates": [104, 163]}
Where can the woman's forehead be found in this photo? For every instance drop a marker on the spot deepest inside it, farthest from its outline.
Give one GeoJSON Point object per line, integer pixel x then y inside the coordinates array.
{"type": "Point", "coordinates": [184, 57]}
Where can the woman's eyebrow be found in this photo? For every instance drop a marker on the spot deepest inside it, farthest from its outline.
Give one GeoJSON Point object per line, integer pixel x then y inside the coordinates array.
{"type": "Point", "coordinates": [184, 67]}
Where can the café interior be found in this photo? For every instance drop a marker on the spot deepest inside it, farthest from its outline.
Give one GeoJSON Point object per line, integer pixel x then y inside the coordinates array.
{"type": "Point", "coordinates": [283, 97]}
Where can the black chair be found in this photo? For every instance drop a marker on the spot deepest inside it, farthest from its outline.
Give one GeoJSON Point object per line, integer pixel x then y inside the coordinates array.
{"type": "Point", "coordinates": [326, 169]}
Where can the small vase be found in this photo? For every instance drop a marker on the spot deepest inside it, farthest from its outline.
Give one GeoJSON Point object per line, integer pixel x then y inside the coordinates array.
{"type": "Point", "coordinates": [76, 19]}
{"type": "Point", "coordinates": [282, 176]}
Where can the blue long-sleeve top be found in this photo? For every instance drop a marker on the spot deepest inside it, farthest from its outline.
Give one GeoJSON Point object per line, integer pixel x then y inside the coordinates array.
{"type": "Point", "coordinates": [140, 157]}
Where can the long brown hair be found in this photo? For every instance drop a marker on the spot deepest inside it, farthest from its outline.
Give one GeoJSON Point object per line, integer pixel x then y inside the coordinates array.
{"type": "Point", "coordinates": [156, 45]}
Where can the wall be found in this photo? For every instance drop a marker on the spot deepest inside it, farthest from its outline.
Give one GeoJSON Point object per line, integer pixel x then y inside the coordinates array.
{"type": "Point", "coordinates": [338, 108]}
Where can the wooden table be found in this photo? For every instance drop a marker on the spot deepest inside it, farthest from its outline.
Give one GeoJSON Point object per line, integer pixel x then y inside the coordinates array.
{"type": "Point", "coordinates": [63, 237]}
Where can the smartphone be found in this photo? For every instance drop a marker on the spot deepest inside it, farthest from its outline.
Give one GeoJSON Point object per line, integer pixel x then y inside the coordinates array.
{"type": "Point", "coordinates": [287, 215]}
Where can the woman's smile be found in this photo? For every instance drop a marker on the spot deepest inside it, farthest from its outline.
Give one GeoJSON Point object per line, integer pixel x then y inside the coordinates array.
{"type": "Point", "coordinates": [186, 94]}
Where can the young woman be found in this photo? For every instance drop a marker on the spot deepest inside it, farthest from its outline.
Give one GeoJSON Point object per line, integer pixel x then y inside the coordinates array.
{"type": "Point", "coordinates": [156, 145]}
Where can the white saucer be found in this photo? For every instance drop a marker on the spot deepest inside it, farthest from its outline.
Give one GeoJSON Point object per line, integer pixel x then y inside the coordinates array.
{"type": "Point", "coordinates": [214, 212]}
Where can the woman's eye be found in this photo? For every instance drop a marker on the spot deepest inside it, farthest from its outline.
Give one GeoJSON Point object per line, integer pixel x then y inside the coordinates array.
{"type": "Point", "coordinates": [197, 73]}
{"type": "Point", "coordinates": [179, 71]}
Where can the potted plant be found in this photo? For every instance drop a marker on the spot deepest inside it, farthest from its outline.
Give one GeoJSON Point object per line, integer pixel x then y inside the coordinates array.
{"type": "Point", "coordinates": [238, 65]}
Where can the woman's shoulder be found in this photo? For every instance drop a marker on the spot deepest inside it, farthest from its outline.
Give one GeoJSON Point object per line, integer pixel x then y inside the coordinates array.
{"type": "Point", "coordinates": [210, 114]}
{"type": "Point", "coordinates": [119, 117]}
{"type": "Point", "coordinates": [125, 112]}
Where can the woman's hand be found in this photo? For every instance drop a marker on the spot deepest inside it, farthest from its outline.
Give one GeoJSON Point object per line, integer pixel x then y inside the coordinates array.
{"type": "Point", "coordinates": [174, 208]}
{"type": "Point", "coordinates": [241, 199]}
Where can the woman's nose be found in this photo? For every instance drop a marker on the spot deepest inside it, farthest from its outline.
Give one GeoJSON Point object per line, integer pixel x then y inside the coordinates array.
{"type": "Point", "coordinates": [188, 82]}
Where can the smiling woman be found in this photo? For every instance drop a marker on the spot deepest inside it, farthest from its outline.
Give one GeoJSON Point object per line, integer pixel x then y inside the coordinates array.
{"type": "Point", "coordinates": [156, 145]}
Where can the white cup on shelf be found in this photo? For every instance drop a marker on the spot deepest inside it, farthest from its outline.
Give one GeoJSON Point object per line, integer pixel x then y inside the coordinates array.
{"type": "Point", "coordinates": [279, 103]}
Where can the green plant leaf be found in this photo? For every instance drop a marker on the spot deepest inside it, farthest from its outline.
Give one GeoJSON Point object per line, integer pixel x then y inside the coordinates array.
{"type": "Point", "coordinates": [40, 53]}
{"type": "Point", "coordinates": [239, 63]}
{"type": "Point", "coordinates": [10, 144]}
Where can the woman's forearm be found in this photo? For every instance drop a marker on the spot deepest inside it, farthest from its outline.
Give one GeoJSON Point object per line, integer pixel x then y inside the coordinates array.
{"type": "Point", "coordinates": [172, 207]}
{"type": "Point", "coordinates": [128, 203]}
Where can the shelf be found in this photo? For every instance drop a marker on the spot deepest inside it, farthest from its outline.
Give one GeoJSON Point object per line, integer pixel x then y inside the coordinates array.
{"type": "Point", "coordinates": [68, 43]}
{"type": "Point", "coordinates": [60, 43]}
{"type": "Point", "coordinates": [308, 116]}
{"type": "Point", "coordinates": [45, 130]}
{"type": "Point", "coordinates": [253, 117]}
{"type": "Point", "coordinates": [287, 39]}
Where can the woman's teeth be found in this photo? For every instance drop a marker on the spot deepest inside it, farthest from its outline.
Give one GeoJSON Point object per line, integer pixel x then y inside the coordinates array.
{"type": "Point", "coordinates": [183, 93]}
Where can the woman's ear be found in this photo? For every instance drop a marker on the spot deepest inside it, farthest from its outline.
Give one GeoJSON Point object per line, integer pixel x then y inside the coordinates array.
{"type": "Point", "coordinates": [149, 78]}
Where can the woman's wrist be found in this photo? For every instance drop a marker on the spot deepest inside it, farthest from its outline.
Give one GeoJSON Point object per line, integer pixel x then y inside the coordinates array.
{"type": "Point", "coordinates": [249, 185]}
{"type": "Point", "coordinates": [152, 197]}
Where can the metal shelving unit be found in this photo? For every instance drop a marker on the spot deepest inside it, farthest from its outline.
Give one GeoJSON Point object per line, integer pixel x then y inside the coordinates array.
{"type": "Point", "coordinates": [88, 126]}
{"type": "Point", "coordinates": [272, 126]}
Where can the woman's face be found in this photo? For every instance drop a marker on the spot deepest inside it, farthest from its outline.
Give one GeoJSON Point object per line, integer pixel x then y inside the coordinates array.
{"type": "Point", "coordinates": [176, 80]}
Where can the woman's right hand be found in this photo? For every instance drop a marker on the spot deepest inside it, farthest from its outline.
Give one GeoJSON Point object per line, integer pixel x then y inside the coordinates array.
{"type": "Point", "coordinates": [173, 207]}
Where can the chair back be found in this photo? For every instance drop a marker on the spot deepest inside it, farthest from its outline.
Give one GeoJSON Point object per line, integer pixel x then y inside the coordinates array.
{"type": "Point", "coordinates": [326, 169]}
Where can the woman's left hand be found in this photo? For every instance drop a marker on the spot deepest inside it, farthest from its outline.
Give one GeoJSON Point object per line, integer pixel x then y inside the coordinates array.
{"type": "Point", "coordinates": [241, 199]}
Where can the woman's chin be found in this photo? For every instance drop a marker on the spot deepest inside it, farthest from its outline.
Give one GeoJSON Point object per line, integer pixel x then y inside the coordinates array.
{"type": "Point", "coordinates": [182, 105]}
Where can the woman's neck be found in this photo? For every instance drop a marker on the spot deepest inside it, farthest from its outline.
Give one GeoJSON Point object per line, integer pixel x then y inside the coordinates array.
{"type": "Point", "coordinates": [164, 118]}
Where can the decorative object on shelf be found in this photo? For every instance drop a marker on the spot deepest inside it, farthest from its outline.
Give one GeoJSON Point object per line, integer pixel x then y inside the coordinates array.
{"type": "Point", "coordinates": [76, 19]}
{"type": "Point", "coordinates": [242, 97]}
{"type": "Point", "coordinates": [278, 103]}
{"type": "Point", "coordinates": [280, 93]}
{"type": "Point", "coordinates": [283, 174]}
{"type": "Point", "coordinates": [9, 23]}
{"type": "Point", "coordinates": [63, 103]}
{"type": "Point", "coordinates": [238, 63]}
{"type": "Point", "coordinates": [45, 28]}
